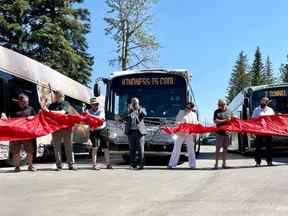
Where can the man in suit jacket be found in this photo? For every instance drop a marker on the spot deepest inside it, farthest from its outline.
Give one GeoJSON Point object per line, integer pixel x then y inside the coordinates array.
{"type": "Point", "coordinates": [136, 131]}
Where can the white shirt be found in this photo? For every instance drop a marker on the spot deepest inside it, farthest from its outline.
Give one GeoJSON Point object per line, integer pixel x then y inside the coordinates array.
{"type": "Point", "coordinates": [259, 111]}
{"type": "Point", "coordinates": [186, 117]}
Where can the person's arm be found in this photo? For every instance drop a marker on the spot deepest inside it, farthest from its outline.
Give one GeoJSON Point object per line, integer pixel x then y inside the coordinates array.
{"type": "Point", "coordinates": [254, 114]}
{"type": "Point", "coordinates": [142, 114]}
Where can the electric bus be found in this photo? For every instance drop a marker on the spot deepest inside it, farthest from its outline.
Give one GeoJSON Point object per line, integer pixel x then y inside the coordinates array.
{"type": "Point", "coordinates": [246, 101]}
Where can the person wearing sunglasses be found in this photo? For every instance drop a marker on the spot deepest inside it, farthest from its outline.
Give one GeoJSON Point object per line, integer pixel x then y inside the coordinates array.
{"type": "Point", "coordinates": [184, 116]}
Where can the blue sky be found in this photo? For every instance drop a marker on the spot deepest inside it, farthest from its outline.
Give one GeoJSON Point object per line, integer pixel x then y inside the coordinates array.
{"type": "Point", "coordinates": [205, 37]}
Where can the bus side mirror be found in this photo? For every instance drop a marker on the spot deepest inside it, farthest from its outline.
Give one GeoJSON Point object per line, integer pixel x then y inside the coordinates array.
{"type": "Point", "coordinates": [97, 91]}
{"type": "Point", "coordinates": [246, 102]}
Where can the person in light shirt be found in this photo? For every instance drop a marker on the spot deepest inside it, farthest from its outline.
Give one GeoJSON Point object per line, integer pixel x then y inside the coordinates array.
{"type": "Point", "coordinates": [184, 116]}
{"type": "Point", "coordinates": [99, 136]}
{"type": "Point", "coordinates": [263, 141]}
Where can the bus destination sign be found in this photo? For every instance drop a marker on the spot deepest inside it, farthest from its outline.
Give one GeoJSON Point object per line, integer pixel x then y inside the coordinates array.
{"type": "Point", "coordinates": [277, 93]}
{"type": "Point", "coordinates": [148, 81]}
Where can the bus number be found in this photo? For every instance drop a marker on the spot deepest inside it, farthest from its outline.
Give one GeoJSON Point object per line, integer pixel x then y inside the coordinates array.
{"type": "Point", "coordinates": [277, 93]}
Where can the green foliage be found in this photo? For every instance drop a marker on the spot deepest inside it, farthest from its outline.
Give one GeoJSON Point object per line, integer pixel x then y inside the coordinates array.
{"type": "Point", "coordinates": [268, 72]}
{"type": "Point", "coordinates": [128, 25]}
{"type": "Point", "coordinates": [284, 71]}
{"type": "Point", "coordinates": [239, 77]}
{"type": "Point", "coordinates": [50, 31]}
{"type": "Point", "coordinates": [257, 70]}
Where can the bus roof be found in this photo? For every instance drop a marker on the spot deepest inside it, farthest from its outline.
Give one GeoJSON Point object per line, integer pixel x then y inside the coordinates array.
{"type": "Point", "coordinates": [181, 72]}
{"type": "Point", "coordinates": [26, 68]}
{"type": "Point", "coordinates": [263, 87]}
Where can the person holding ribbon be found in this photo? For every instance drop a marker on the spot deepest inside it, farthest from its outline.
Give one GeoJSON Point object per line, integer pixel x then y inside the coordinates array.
{"type": "Point", "coordinates": [23, 110]}
{"type": "Point", "coordinates": [184, 116]}
{"type": "Point", "coordinates": [222, 116]}
{"type": "Point", "coordinates": [99, 136]}
{"type": "Point", "coordinates": [263, 141]}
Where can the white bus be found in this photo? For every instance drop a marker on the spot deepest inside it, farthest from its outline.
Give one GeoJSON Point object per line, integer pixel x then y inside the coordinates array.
{"type": "Point", "coordinates": [245, 102]}
{"type": "Point", "coordinates": [20, 74]}
{"type": "Point", "coordinates": [161, 92]}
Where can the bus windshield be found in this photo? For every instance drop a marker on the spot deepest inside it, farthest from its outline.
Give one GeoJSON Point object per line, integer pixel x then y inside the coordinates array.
{"type": "Point", "coordinates": [278, 97]}
{"type": "Point", "coordinates": [161, 95]}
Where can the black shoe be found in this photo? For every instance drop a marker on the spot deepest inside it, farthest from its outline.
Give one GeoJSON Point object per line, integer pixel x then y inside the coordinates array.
{"type": "Point", "coordinates": [17, 169]}
{"type": "Point", "coordinates": [71, 167]}
{"type": "Point", "coordinates": [140, 168]}
{"type": "Point", "coordinates": [257, 165]}
{"type": "Point", "coordinates": [32, 169]}
{"type": "Point", "coordinates": [270, 164]}
{"type": "Point", "coordinates": [109, 166]}
{"type": "Point", "coordinates": [59, 168]}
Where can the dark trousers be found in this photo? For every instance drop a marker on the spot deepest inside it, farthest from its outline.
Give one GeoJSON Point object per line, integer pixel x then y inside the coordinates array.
{"type": "Point", "coordinates": [136, 147]}
{"type": "Point", "coordinates": [263, 148]}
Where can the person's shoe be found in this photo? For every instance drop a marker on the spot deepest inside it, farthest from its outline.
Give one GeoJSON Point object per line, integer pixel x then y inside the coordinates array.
{"type": "Point", "coordinates": [270, 164]}
{"type": "Point", "coordinates": [224, 166]}
{"type": "Point", "coordinates": [17, 169]}
{"type": "Point", "coordinates": [71, 167]}
{"type": "Point", "coordinates": [132, 168]}
{"type": "Point", "coordinates": [192, 168]}
{"type": "Point", "coordinates": [59, 168]}
{"type": "Point", "coordinates": [169, 167]}
{"type": "Point", "coordinates": [109, 166]}
{"type": "Point", "coordinates": [257, 165]}
{"type": "Point", "coordinates": [32, 169]}
{"type": "Point", "coordinates": [94, 167]}
{"type": "Point", "coordinates": [215, 167]}
{"type": "Point", "coordinates": [140, 168]}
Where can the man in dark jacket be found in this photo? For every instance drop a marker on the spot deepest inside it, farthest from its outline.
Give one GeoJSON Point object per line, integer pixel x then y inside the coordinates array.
{"type": "Point", "coordinates": [136, 131]}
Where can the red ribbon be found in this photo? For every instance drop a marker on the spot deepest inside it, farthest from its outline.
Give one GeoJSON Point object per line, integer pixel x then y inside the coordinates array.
{"type": "Point", "coordinates": [42, 124]}
{"type": "Point", "coordinates": [264, 125]}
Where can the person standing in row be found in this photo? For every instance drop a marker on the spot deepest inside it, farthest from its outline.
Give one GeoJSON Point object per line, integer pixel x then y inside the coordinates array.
{"type": "Point", "coordinates": [136, 130]}
{"type": "Point", "coordinates": [263, 141]}
{"type": "Point", "coordinates": [184, 116]}
{"type": "Point", "coordinates": [23, 110]}
{"type": "Point", "coordinates": [221, 116]}
{"type": "Point", "coordinates": [61, 106]}
{"type": "Point", "coordinates": [99, 136]}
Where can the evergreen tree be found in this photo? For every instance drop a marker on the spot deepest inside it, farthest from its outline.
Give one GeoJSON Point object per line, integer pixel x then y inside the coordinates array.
{"type": "Point", "coordinates": [284, 72]}
{"type": "Point", "coordinates": [239, 77]}
{"type": "Point", "coordinates": [128, 25]}
{"type": "Point", "coordinates": [50, 31]}
{"type": "Point", "coordinates": [268, 71]}
{"type": "Point", "coordinates": [257, 71]}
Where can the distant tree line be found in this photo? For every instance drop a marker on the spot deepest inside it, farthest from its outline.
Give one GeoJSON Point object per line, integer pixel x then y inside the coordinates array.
{"type": "Point", "coordinates": [259, 73]}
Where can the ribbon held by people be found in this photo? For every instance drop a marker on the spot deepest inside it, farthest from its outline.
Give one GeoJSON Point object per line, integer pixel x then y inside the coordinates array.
{"type": "Point", "coordinates": [42, 124]}
{"type": "Point", "coordinates": [274, 125]}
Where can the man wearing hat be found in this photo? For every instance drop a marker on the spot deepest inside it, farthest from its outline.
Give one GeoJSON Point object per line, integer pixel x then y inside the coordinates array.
{"type": "Point", "coordinates": [263, 141]}
{"type": "Point", "coordinates": [99, 136]}
{"type": "Point", "coordinates": [23, 110]}
{"type": "Point", "coordinates": [61, 106]}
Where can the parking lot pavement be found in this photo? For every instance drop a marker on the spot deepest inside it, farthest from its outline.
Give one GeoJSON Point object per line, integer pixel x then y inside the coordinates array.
{"type": "Point", "coordinates": [240, 190]}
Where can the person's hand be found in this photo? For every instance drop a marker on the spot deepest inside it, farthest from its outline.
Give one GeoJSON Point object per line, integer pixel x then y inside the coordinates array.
{"type": "Point", "coordinates": [30, 117]}
{"type": "Point", "coordinates": [44, 108]}
{"type": "Point", "coordinates": [4, 117]}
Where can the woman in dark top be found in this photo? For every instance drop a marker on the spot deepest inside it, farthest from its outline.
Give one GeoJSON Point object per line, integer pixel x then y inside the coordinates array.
{"type": "Point", "coordinates": [136, 131]}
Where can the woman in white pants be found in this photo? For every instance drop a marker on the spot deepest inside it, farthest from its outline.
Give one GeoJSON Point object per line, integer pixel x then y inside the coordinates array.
{"type": "Point", "coordinates": [184, 116]}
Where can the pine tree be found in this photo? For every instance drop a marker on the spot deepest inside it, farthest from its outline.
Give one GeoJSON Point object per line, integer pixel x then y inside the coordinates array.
{"type": "Point", "coordinates": [239, 76]}
{"type": "Point", "coordinates": [257, 71]}
{"type": "Point", "coordinates": [268, 71]}
{"type": "Point", "coordinates": [128, 24]}
{"type": "Point", "coordinates": [50, 31]}
{"type": "Point", "coordinates": [284, 72]}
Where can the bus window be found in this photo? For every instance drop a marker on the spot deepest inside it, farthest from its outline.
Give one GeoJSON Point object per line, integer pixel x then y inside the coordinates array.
{"type": "Point", "coordinates": [17, 86]}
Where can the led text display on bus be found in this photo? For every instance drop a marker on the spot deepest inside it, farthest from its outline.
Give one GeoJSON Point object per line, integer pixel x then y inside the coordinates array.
{"type": "Point", "coordinates": [151, 81]}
